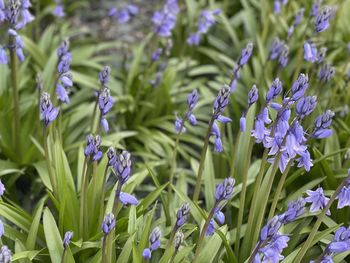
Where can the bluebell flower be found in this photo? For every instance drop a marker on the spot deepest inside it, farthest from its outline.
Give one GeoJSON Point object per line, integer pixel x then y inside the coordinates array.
{"type": "Point", "coordinates": [18, 45]}
{"type": "Point", "coordinates": [67, 239]}
{"type": "Point", "coordinates": [128, 199]}
{"type": "Point", "coordinates": [305, 160]}
{"type": "Point", "coordinates": [295, 209]}
{"type": "Point", "coordinates": [104, 75]}
{"type": "Point", "coordinates": [221, 101]}
{"type": "Point", "coordinates": [341, 241]}
{"type": "Point", "coordinates": [194, 39]}
{"type": "Point", "coordinates": [299, 87]}
{"type": "Point", "coordinates": [310, 52]}
{"type": "Point", "coordinates": [108, 224]}
{"type": "Point", "coordinates": [283, 58]}
{"type": "Point", "coordinates": [242, 124]}
{"type": "Point", "coordinates": [211, 228]}
{"type": "Point", "coordinates": [154, 240]}
{"type": "Point", "coordinates": [271, 228]}
{"type": "Point", "coordinates": [112, 12]}
{"type": "Point", "coordinates": [326, 73]}
{"type": "Point", "coordinates": [63, 67]}
{"type": "Point", "coordinates": [220, 217]}
{"type": "Point", "coordinates": [277, 6]}
{"type": "Point", "coordinates": [253, 96]}
{"type": "Point", "coordinates": [3, 56]}
{"type": "Point", "coordinates": [260, 131]}
{"type": "Point", "coordinates": [317, 199]}
{"type": "Point", "coordinates": [112, 156]}
{"type": "Point", "coordinates": [164, 20]}
{"type": "Point", "coordinates": [192, 100]}
{"type": "Point", "coordinates": [322, 124]}
{"type": "Point", "coordinates": [306, 106]}
{"type": "Point", "coordinates": [321, 55]}
{"type": "Point", "coordinates": [297, 19]}
{"type": "Point", "coordinates": [105, 103]}
{"type": "Point", "coordinates": [156, 54]}
{"type": "Point", "coordinates": [92, 148]}
{"type": "Point", "coordinates": [344, 195]}
{"type": "Point", "coordinates": [2, 11]}
{"type": "Point", "coordinates": [323, 18]}
{"type": "Point", "coordinates": [2, 231]}
{"type": "Point", "coordinates": [182, 214]}
{"type": "Point", "coordinates": [5, 255]}
{"type": "Point", "coordinates": [178, 124]}
{"type": "Point", "coordinates": [59, 9]}
{"type": "Point", "coordinates": [272, 252]}
{"type": "Point", "coordinates": [48, 113]}
{"type": "Point", "coordinates": [2, 189]}
{"type": "Point", "coordinates": [246, 54]}
{"type": "Point", "coordinates": [124, 15]}
{"type": "Point", "coordinates": [276, 48]}
{"type": "Point", "coordinates": [274, 90]}
{"type": "Point", "coordinates": [316, 4]}
{"type": "Point", "coordinates": [224, 190]}
{"type": "Point", "coordinates": [24, 17]}
{"type": "Point", "coordinates": [122, 167]}
{"type": "Point", "coordinates": [179, 239]}
{"type": "Point", "coordinates": [218, 143]}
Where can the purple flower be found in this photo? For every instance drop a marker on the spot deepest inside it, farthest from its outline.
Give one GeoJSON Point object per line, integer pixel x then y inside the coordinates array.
{"type": "Point", "coordinates": [317, 199]}
{"type": "Point", "coordinates": [194, 39]}
{"type": "Point", "coordinates": [341, 241]}
{"type": "Point", "coordinates": [3, 56]}
{"type": "Point", "coordinates": [306, 106]}
{"type": "Point", "coordinates": [272, 252]}
{"type": "Point", "coordinates": [182, 214]}
{"type": "Point", "coordinates": [276, 49]}
{"type": "Point", "coordinates": [178, 124]}
{"type": "Point", "coordinates": [65, 76]}
{"type": "Point", "coordinates": [156, 54]}
{"type": "Point", "coordinates": [271, 228]}
{"type": "Point", "coordinates": [277, 6]}
{"type": "Point", "coordinates": [321, 55]}
{"type": "Point", "coordinates": [128, 199]}
{"type": "Point", "coordinates": [245, 54]}
{"type": "Point", "coordinates": [24, 17]}
{"type": "Point", "coordinates": [220, 217]}
{"type": "Point", "coordinates": [260, 131]}
{"type": "Point", "coordinates": [221, 101]}
{"type": "Point", "coordinates": [295, 209]}
{"type": "Point", "coordinates": [48, 112]}
{"type": "Point", "coordinates": [112, 12]}
{"type": "Point", "coordinates": [104, 75]}
{"type": "Point", "coordinates": [59, 11]}
{"type": "Point", "coordinates": [322, 124]}
{"type": "Point", "coordinates": [305, 161]}
{"type": "Point", "coordinates": [326, 73]}
{"type": "Point", "coordinates": [62, 93]}
{"type": "Point", "coordinates": [112, 156]}
{"type": "Point", "coordinates": [344, 195]}
{"type": "Point", "coordinates": [5, 255]}
{"type": "Point", "coordinates": [315, 7]}
{"type": "Point", "coordinates": [108, 223]}
{"type": "Point", "coordinates": [105, 101]}
{"type": "Point", "coordinates": [207, 20]}
{"type": "Point", "coordinates": [165, 20]}
{"type": "Point", "coordinates": [310, 52]}
{"type": "Point", "coordinates": [2, 189]}
{"type": "Point", "coordinates": [299, 87]}
{"type": "Point", "coordinates": [274, 90]}
{"type": "Point", "coordinates": [154, 240]}
{"type": "Point", "coordinates": [323, 18]}
{"type": "Point", "coordinates": [283, 59]}
{"type": "Point", "coordinates": [224, 190]}
{"type": "Point", "coordinates": [122, 167]}
{"type": "Point", "coordinates": [2, 231]}
{"type": "Point", "coordinates": [253, 96]}
{"type": "Point", "coordinates": [242, 124]}
{"type": "Point", "coordinates": [92, 149]}
{"type": "Point", "coordinates": [67, 238]}
{"type": "Point", "coordinates": [211, 228]}
{"type": "Point", "coordinates": [179, 239]}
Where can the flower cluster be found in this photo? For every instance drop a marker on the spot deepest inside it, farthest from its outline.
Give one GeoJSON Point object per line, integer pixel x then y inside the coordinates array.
{"type": "Point", "coordinates": [48, 113]}
{"type": "Point", "coordinates": [192, 100]}
{"type": "Point", "coordinates": [287, 139]}
{"type": "Point", "coordinates": [124, 14]}
{"type": "Point", "coordinates": [271, 242]}
{"type": "Point", "coordinates": [181, 215]}
{"type": "Point", "coordinates": [223, 193]}
{"type": "Point", "coordinates": [59, 9]}
{"type": "Point", "coordinates": [317, 199]}
{"type": "Point", "coordinates": [5, 255]}
{"type": "Point", "coordinates": [92, 149]}
{"type": "Point", "coordinates": [164, 20]}
{"type": "Point", "coordinates": [253, 96]}
{"type": "Point", "coordinates": [323, 18]}
{"type": "Point", "coordinates": [279, 51]}
{"type": "Point", "coordinates": [243, 59]}
{"type": "Point", "coordinates": [297, 19]}
{"type": "Point", "coordinates": [326, 73]}
{"type": "Point", "coordinates": [220, 103]}
{"type": "Point", "coordinates": [64, 82]}
{"type": "Point", "coordinates": [105, 100]}
{"type": "Point", "coordinates": [311, 54]}
{"type": "Point", "coordinates": [339, 244]}
{"type": "Point", "coordinates": [108, 223]}
{"type": "Point", "coordinates": [154, 240]}
{"type": "Point", "coordinates": [205, 21]}
{"type": "Point", "coordinates": [67, 239]}
{"type": "Point", "coordinates": [277, 5]}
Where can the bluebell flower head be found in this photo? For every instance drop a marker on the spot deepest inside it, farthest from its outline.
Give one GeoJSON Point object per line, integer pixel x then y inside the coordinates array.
{"type": "Point", "coordinates": [260, 131]}
{"type": "Point", "coordinates": [5, 255]}
{"type": "Point", "coordinates": [194, 39]}
{"type": "Point", "coordinates": [322, 21]}
{"type": "Point", "coordinates": [105, 101]}
{"type": "Point", "coordinates": [305, 160]}
{"type": "Point", "coordinates": [147, 253]}
{"type": "Point", "coordinates": [207, 20]}
{"type": "Point", "coordinates": [341, 241]}
{"type": "Point", "coordinates": [192, 99]}
{"type": "Point", "coordinates": [218, 147]}
{"type": "Point", "coordinates": [316, 4]}
{"type": "Point", "coordinates": [2, 189]}
{"type": "Point", "coordinates": [108, 223]}
{"type": "Point", "coordinates": [344, 194]}
{"type": "Point", "coordinates": [128, 199]}
{"type": "Point", "coordinates": [67, 238]}
{"type": "Point", "coordinates": [211, 228]}
{"type": "Point", "coordinates": [122, 167]}
{"type": "Point", "coordinates": [322, 124]}
{"type": "Point", "coordinates": [221, 101]}
{"type": "Point", "coordinates": [63, 49]}
{"type": "Point", "coordinates": [283, 58]}
{"type": "Point", "coordinates": [321, 55]}
{"type": "Point", "coordinates": [112, 12]}
{"type": "Point", "coordinates": [299, 86]}
{"type": "Point", "coordinates": [154, 240]}
{"type": "Point", "coordinates": [224, 190]}
{"type": "Point", "coordinates": [104, 75]}
{"type": "Point", "coordinates": [271, 228]}
{"type": "Point", "coordinates": [276, 49]}
{"type": "Point", "coordinates": [178, 124]}
{"type": "Point", "coordinates": [246, 54]}
{"type": "Point", "coordinates": [59, 11]}
{"type": "Point", "coordinates": [326, 73]}
{"type": "Point", "coordinates": [299, 16]}
{"type": "Point", "coordinates": [165, 20]}
{"type": "Point", "coordinates": [310, 52]}
{"type": "Point", "coordinates": [3, 56]}
{"type": "Point", "coordinates": [182, 214]}
{"type": "Point", "coordinates": [242, 124]}
{"type": "Point", "coordinates": [295, 209]}
{"type": "Point", "coordinates": [192, 119]}
{"type": "Point", "coordinates": [48, 113]}
{"type": "Point", "coordinates": [112, 156]}
{"type": "Point", "coordinates": [317, 199]}
{"type": "Point", "coordinates": [272, 252]}
{"type": "Point", "coordinates": [179, 239]}
{"type": "Point", "coordinates": [274, 90]}
{"type": "Point", "coordinates": [277, 6]}
{"type": "Point", "coordinates": [92, 148]}
{"type": "Point", "coordinates": [156, 54]}
{"type": "Point", "coordinates": [306, 106]}
{"type": "Point", "coordinates": [253, 96]}
{"type": "Point", "coordinates": [220, 217]}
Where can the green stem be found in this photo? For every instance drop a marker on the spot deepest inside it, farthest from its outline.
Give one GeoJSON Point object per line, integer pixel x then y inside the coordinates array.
{"type": "Point", "coordinates": [319, 220]}
{"type": "Point", "coordinates": [103, 192]}
{"type": "Point", "coordinates": [48, 161]}
{"type": "Point", "coordinates": [202, 235]}
{"type": "Point", "coordinates": [15, 95]}
{"type": "Point", "coordinates": [242, 197]}
{"type": "Point", "coordinates": [82, 197]}
{"type": "Point", "coordinates": [202, 161]}
{"type": "Point", "coordinates": [279, 190]}
{"type": "Point", "coordinates": [93, 116]}
{"type": "Point", "coordinates": [247, 239]}
{"type": "Point", "coordinates": [104, 249]}
{"type": "Point", "coordinates": [173, 162]}
{"type": "Point", "coordinates": [63, 255]}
